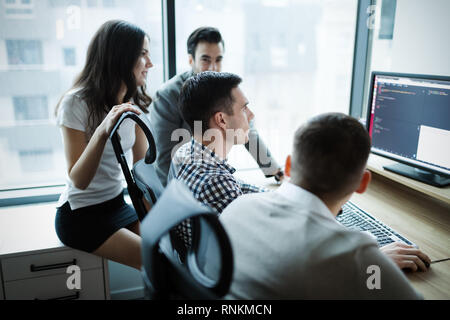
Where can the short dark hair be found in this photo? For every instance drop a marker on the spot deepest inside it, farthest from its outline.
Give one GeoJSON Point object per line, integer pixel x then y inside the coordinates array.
{"type": "Point", "coordinates": [205, 94]}
{"type": "Point", "coordinates": [208, 34]}
{"type": "Point", "coordinates": [330, 154]}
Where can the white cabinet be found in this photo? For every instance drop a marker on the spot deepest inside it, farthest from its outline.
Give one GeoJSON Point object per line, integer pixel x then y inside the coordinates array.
{"type": "Point", "coordinates": [1, 285]}
{"type": "Point", "coordinates": [44, 276]}
{"type": "Point", "coordinates": [33, 262]}
{"type": "Point", "coordinates": [54, 287]}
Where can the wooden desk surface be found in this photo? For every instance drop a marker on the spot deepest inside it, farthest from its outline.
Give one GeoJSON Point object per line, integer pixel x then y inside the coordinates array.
{"type": "Point", "coordinates": [419, 217]}
{"type": "Point", "coordinates": [376, 163]}
{"type": "Point", "coordinates": [423, 220]}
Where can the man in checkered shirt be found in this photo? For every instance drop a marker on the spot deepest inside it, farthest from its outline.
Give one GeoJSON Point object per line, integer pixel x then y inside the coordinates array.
{"type": "Point", "coordinates": [218, 114]}
{"type": "Point", "coordinates": [209, 177]}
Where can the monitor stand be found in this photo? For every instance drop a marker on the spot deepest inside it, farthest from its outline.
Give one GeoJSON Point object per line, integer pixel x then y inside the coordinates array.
{"type": "Point", "coordinates": [418, 174]}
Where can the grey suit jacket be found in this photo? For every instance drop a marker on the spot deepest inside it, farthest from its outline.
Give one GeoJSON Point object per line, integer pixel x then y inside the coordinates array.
{"type": "Point", "coordinates": [165, 117]}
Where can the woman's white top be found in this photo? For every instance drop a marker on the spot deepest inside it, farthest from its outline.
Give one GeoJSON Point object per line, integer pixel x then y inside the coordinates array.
{"type": "Point", "coordinates": [107, 182]}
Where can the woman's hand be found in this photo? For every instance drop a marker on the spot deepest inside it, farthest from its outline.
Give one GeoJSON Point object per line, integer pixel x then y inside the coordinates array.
{"type": "Point", "coordinates": [84, 158]}
{"type": "Point", "coordinates": [105, 128]}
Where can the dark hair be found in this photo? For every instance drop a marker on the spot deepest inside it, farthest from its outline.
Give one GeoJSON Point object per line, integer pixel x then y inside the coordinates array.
{"type": "Point", "coordinates": [208, 34]}
{"type": "Point", "coordinates": [110, 61]}
{"type": "Point", "coordinates": [330, 153]}
{"type": "Point", "coordinates": [205, 94]}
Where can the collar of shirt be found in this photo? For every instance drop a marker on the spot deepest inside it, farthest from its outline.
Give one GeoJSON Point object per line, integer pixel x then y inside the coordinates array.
{"type": "Point", "coordinates": [201, 152]}
{"type": "Point", "coordinates": [304, 199]}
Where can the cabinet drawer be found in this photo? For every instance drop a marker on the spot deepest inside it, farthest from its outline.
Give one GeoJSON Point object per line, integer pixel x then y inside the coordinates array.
{"type": "Point", "coordinates": [55, 287]}
{"type": "Point", "coordinates": [45, 264]}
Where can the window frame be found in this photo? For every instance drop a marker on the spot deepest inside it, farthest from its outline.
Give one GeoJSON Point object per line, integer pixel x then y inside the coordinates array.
{"type": "Point", "coordinates": [361, 61]}
{"type": "Point", "coordinates": [51, 193]}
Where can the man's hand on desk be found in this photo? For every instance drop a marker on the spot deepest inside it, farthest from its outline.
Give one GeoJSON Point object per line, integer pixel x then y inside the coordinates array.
{"type": "Point", "coordinates": [279, 175]}
{"type": "Point", "coordinates": [406, 257]}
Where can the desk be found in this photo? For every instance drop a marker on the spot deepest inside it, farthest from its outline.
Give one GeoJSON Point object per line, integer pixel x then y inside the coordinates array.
{"type": "Point", "coordinates": [418, 216]}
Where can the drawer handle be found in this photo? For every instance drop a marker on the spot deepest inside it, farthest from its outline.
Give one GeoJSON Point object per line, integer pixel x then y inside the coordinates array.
{"type": "Point", "coordinates": [34, 268]}
{"type": "Point", "coordinates": [71, 297]}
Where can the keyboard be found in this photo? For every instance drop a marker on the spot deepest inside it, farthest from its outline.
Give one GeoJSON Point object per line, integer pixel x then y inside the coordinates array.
{"type": "Point", "coordinates": [355, 218]}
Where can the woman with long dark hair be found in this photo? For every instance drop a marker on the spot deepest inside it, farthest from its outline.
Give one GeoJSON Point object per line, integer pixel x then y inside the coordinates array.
{"type": "Point", "coordinates": [92, 215]}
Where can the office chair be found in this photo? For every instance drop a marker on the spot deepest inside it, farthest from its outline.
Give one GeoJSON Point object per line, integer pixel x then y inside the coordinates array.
{"type": "Point", "coordinates": [142, 180]}
{"type": "Point", "coordinates": [207, 271]}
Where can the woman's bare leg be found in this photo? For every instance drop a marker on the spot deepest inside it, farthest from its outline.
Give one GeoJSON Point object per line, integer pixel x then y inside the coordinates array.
{"type": "Point", "coordinates": [124, 247]}
{"type": "Point", "coordinates": [135, 227]}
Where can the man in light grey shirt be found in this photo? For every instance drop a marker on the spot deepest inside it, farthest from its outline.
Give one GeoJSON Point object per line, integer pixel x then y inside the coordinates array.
{"type": "Point", "coordinates": [288, 245]}
{"type": "Point", "coordinates": [205, 49]}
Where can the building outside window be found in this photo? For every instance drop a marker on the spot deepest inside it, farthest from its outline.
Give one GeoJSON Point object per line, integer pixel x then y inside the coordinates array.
{"type": "Point", "coordinates": [30, 108]}
{"type": "Point", "coordinates": [19, 9]}
{"type": "Point", "coordinates": [34, 76]}
{"type": "Point", "coordinates": [92, 3]}
{"type": "Point", "coordinates": [295, 58]}
{"type": "Point", "coordinates": [69, 56]}
{"type": "Point", "coordinates": [35, 161]}
{"type": "Point", "coordinates": [24, 52]}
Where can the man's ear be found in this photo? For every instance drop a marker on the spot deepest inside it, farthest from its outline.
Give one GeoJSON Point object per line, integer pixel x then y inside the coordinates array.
{"type": "Point", "coordinates": [287, 166]}
{"type": "Point", "coordinates": [219, 120]}
{"type": "Point", "coordinates": [365, 180]}
{"type": "Point", "coordinates": [191, 60]}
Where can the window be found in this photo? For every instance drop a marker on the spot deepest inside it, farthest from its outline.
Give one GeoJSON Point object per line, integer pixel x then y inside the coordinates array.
{"type": "Point", "coordinates": [408, 37]}
{"type": "Point", "coordinates": [69, 56]}
{"type": "Point", "coordinates": [30, 108]}
{"type": "Point", "coordinates": [63, 3]}
{"type": "Point", "coordinates": [92, 3]}
{"type": "Point", "coordinates": [19, 9]}
{"type": "Point", "coordinates": [295, 59]}
{"type": "Point", "coordinates": [108, 3]}
{"type": "Point", "coordinates": [36, 53]}
{"type": "Point", "coordinates": [24, 52]}
{"type": "Point", "coordinates": [36, 161]}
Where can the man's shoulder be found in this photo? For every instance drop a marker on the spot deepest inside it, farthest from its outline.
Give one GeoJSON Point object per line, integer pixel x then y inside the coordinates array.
{"type": "Point", "coordinates": [210, 173]}
{"type": "Point", "coordinates": [253, 201]}
{"type": "Point", "coordinates": [174, 84]}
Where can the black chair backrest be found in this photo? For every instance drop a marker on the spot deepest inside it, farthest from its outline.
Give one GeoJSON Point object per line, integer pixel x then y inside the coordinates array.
{"type": "Point", "coordinates": [207, 272]}
{"type": "Point", "coordinates": [142, 180]}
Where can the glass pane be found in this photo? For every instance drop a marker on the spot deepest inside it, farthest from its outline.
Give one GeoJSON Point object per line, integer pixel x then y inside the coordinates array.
{"type": "Point", "coordinates": [295, 58]}
{"type": "Point", "coordinates": [30, 108]}
{"type": "Point", "coordinates": [408, 36]}
{"type": "Point", "coordinates": [40, 55]}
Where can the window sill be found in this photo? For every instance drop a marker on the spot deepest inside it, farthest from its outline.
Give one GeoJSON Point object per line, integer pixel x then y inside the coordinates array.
{"type": "Point", "coordinates": [19, 197]}
{"type": "Point", "coordinates": [41, 195]}
{"type": "Point", "coordinates": [38, 195]}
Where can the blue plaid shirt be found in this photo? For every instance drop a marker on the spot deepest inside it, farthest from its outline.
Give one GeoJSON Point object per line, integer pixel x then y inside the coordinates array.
{"type": "Point", "coordinates": [209, 178]}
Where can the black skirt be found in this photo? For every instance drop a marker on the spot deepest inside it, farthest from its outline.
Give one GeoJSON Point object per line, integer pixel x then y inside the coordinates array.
{"type": "Point", "coordinates": [88, 228]}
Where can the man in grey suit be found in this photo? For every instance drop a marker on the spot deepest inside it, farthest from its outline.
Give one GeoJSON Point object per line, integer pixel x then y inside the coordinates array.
{"type": "Point", "coordinates": [205, 49]}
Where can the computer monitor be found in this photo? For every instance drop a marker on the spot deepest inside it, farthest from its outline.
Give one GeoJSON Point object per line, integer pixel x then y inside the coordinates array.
{"type": "Point", "coordinates": [408, 119]}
